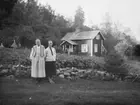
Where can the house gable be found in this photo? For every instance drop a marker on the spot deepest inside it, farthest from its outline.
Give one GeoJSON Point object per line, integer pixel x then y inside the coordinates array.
{"type": "Point", "coordinates": [101, 36]}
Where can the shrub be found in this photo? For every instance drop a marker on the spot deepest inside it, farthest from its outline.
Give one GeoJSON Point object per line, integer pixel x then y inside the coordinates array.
{"type": "Point", "coordinates": [81, 62]}
{"type": "Point", "coordinates": [11, 56]}
{"type": "Point", "coordinates": [58, 49]}
{"type": "Point", "coordinates": [114, 64]}
{"type": "Point", "coordinates": [15, 56]}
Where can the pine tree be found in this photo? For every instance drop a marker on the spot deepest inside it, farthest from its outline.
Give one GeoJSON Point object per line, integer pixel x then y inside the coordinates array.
{"type": "Point", "coordinates": [114, 63]}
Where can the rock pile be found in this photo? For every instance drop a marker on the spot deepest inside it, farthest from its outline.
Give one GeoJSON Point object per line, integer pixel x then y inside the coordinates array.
{"type": "Point", "coordinates": [65, 73]}
{"type": "Point", "coordinates": [73, 73]}
{"type": "Point", "coordinates": [70, 73]}
{"type": "Point", "coordinates": [16, 70]}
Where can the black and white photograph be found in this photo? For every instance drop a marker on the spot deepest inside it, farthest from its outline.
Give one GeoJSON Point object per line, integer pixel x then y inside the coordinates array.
{"type": "Point", "coordinates": [69, 52]}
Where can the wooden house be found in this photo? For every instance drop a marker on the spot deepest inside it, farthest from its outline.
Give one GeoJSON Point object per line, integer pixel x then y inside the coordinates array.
{"type": "Point", "coordinates": [87, 42]}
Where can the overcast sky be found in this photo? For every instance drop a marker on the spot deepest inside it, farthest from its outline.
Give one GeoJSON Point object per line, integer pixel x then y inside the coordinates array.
{"type": "Point", "coordinates": [127, 12]}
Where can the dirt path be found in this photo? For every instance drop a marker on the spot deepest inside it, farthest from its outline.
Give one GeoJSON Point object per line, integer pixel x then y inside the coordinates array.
{"type": "Point", "coordinates": [81, 92]}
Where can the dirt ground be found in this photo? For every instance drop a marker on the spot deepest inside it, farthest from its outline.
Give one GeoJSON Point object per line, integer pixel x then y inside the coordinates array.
{"type": "Point", "coordinates": [80, 92]}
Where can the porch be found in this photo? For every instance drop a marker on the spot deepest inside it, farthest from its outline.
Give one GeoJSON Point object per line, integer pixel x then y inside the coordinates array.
{"type": "Point", "coordinates": [69, 46]}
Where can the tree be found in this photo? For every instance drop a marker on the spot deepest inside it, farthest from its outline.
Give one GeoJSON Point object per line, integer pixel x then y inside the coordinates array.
{"type": "Point", "coordinates": [79, 17]}
{"type": "Point", "coordinates": [106, 26]}
{"type": "Point", "coordinates": [95, 27]}
{"type": "Point", "coordinates": [121, 47]}
{"type": "Point", "coordinates": [114, 64]}
{"type": "Point", "coordinates": [6, 7]}
{"type": "Point", "coordinates": [137, 50]}
{"type": "Point", "coordinates": [60, 21]}
{"type": "Point", "coordinates": [107, 30]}
{"type": "Point", "coordinates": [28, 21]}
{"type": "Point", "coordinates": [47, 14]}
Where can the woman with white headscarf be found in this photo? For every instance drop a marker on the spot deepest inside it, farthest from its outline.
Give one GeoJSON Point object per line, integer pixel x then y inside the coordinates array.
{"type": "Point", "coordinates": [38, 64]}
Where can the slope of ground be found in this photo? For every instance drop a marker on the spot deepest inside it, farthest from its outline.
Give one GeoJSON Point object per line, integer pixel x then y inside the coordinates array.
{"type": "Point", "coordinates": [80, 92]}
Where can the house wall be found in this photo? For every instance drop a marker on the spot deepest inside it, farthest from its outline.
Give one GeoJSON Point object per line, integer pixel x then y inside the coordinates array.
{"type": "Point", "coordinates": [98, 41]}
{"type": "Point", "coordinates": [80, 42]}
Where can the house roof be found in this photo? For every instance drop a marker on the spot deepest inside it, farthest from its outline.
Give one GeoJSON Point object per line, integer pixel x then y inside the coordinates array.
{"type": "Point", "coordinates": [69, 41]}
{"type": "Point", "coordinates": [81, 35]}
{"type": "Point", "coordinates": [68, 36]}
{"type": "Point", "coordinates": [85, 35]}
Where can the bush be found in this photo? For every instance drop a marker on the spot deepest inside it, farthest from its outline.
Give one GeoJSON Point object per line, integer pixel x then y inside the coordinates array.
{"type": "Point", "coordinates": [11, 56]}
{"type": "Point", "coordinates": [81, 62]}
{"type": "Point", "coordinates": [14, 57]}
{"type": "Point", "coordinates": [114, 64]}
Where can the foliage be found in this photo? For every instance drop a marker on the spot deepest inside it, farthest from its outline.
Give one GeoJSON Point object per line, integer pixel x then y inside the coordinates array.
{"type": "Point", "coordinates": [29, 21]}
{"type": "Point", "coordinates": [137, 50]}
{"type": "Point", "coordinates": [115, 34]}
{"type": "Point", "coordinates": [114, 64]}
{"type": "Point", "coordinates": [11, 56]}
{"type": "Point", "coordinates": [79, 17]}
{"type": "Point", "coordinates": [121, 47]}
{"type": "Point", "coordinates": [6, 7]}
{"type": "Point", "coordinates": [82, 62]}
{"type": "Point", "coordinates": [14, 56]}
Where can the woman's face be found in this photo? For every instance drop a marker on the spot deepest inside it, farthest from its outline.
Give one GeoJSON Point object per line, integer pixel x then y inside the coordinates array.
{"type": "Point", "coordinates": [38, 42]}
{"type": "Point", "coordinates": [50, 43]}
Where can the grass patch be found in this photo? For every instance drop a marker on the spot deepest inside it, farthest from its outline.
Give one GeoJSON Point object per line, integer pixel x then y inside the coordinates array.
{"type": "Point", "coordinates": [81, 92]}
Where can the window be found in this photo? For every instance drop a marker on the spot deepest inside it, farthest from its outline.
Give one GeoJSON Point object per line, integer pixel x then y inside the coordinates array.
{"type": "Point", "coordinates": [84, 48]}
{"type": "Point", "coordinates": [95, 47]}
{"type": "Point", "coordinates": [98, 37]}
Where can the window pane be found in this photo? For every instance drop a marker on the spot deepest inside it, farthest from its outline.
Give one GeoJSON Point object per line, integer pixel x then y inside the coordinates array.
{"type": "Point", "coordinates": [84, 48]}
{"type": "Point", "coordinates": [95, 47]}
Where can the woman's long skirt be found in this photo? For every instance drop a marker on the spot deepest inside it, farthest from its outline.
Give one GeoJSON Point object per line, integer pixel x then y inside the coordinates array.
{"type": "Point", "coordinates": [50, 68]}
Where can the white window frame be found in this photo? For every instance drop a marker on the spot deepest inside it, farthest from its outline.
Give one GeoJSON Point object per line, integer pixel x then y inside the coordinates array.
{"type": "Point", "coordinates": [84, 48]}
{"type": "Point", "coordinates": [95, 48]}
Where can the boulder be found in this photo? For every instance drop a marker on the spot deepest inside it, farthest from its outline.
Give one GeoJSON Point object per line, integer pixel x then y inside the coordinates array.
{"type": "Point", "coordinates": [73, 73]}
{"type": "Point", "coordinates": [61, 76]}
{"type": "Point", "coordinates": [81, 71]}
{"type": "Point", "coordinates": [69, 78]}
{"type": "Point", "coordinates": [58, 71]}
{"type": "Point", "coordinates": [66, 74]}
{"type": "Point", "coordinates": [88, 71]}
{"type": "Point", "coordinates": [69, 70]}
{"type": "Point", "coordinates": [4, 71]}
{"type": "Point", "coordinates": [102, 73]}
{"type": "Point", "coordinates": [107, 75]}
{"type": "Point", "coordinates": [10, 77]}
